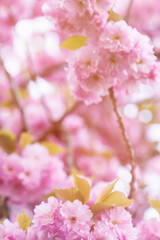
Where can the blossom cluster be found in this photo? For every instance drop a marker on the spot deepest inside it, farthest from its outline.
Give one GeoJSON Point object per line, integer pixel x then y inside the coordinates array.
{"type": "Point", "coordinates": [117, 55]}
{"type": "Point", "coordinates": [72, 220]}
{"type": "Point", "coordinates": [26, 178]}
{"type": "Point", "coordinates": [56, 219]}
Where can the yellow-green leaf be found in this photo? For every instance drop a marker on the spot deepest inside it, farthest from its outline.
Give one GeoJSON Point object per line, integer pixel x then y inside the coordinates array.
{"type": "Point", "coordinates": [83, 186]}
{"type": "Point", "coordinates": [97, 208]}
{"type": "Point", "coordinates": [51, 194]}
{"type": "Point", "coordinates": [107, 154]}
{"type": "Point", "coordinates": [113, 16]}
{"type": "Point", "coordinates": [9, 104]}
{"type": "Point", "coordinates": [70, 194]}
{"type": "Point", "coordinates": [105, 192]}
{"type": "Point", "coordinates": [25, 139]}
{"type": "Point", "coordinates": [74, 42]}
{"type": "Point", "coordinates": [117, 199]}
{"type": "Point", "coordinates": [155, 204]}
{"type": "Point", "coordinates": [24, 221]}
{"type": "Point", "coordinates": [7, 141]}
{"type": "Point", "coordinates": [23, 92]}
{"type": "Point", "coordinates": [53, 148]}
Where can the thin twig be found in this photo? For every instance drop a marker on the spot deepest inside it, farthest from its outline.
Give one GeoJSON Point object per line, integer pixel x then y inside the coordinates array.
{"type": "Point", "coordinates": [125, 138]}
{"type": "Point", "coordinates": [16, 96]}
{"type": "Point", "coordinates": [70, 157]}
{"type": "Point", "coordinates": [4, 211]}
{"type": "Point", "coordinates": [56, 126]}
{"type": "Point", "coordinates": [128, 12]}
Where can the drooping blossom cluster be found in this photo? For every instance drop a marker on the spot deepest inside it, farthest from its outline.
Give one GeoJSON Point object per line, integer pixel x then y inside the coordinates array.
{"type": "Point", "coordinates": [119, 57]}
{"type": "Point", "coordinates": [119, 62]}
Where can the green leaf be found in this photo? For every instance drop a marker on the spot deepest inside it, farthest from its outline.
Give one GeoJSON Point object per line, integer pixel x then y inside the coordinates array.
{"type": "Point", "coordinates": [7, 141]}
{"type": "Point", "coordinates": [70, 194]}
{"type": "Point", "coordinates": [74, 42]}
{"type": "Point", "coordinates": [117, 199]}
{"type": "Point", "coordinates": [83, 186]}
{"type": "Point", "coordinates": [155, 204]}
{"type": "Point", "coordinates": [113, 16]}
{"type": "Point", "coordinates": [53, 148]}
{"type": "Point", "coordinates": [24, 221]}
{"type": "Point", "coordinates": [105, 192]}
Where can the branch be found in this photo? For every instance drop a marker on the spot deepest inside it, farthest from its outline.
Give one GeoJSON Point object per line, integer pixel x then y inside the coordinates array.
{"type": "Point", "coordinates": [128, 12]}
{"type": "Point", "coordinates": [48, 71]}
{"type": "Point", "coordinates": [125, 138]}
{"type": "Point", "coordinates": [16, 96]}
{"type": "Point", "coordinates": [4, 211]}
{"type": "Point", "coordinates": [56, 126]}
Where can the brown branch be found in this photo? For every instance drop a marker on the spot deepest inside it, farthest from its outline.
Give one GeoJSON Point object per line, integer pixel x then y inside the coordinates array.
{"type": "Point", "coordinates": [56, 126]}
{"type": "Point", "coordinates": [157, 54]}
{"type": "Point", "coordinates": [70, 156]}
{"type": "Point", "coordinates": [16, 96]}
{"type": "Point", "coordinates": [128, 12]}
{"type": "Point", "coordinates": [4, 211]}
{"type": "Point", "coordinates": [47, 71]}
{"type": "Point", "coordinates": [125, 138]}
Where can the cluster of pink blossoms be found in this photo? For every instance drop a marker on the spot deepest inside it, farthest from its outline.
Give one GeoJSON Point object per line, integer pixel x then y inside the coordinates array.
{"type": "Point", "coordinates": [72, 220]}
{"type": "Point", "coordinates": [117, 55]}
{"type": "Point", "coordinates": [26, 178]}
{"type": "Point", "coordinates": [75, 17]}
{"type": "Point", "coordinates": [60, 220]}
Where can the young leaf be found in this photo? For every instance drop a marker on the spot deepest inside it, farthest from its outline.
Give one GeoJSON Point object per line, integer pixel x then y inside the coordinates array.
{"type": "Point", "coordinates": [155, 204]}
{"type": "Point", "coordinates": [53, 148]}
{"type": "Point", "coordinates": [113, 16]}
{"type": "Point", "coordinates": [70, 194]}
{"type": "Point", "coordinates": [23, 92]}
{"type": "Point", "coordinates": [7, 141]}
{"type": "Point", "coordinates": [24, 221]}
{"type": "Point", "coordinates": [105, 192]}
{"type": "Point", "coordinates": [83, 186]}
{"type": "Point", "coordinates": [107, 154]}
{"type": "Point", "coordinates": [25, 139]}
{"type": "Point", "coordinates": [117, 199]}
{"type": "Point", "coordinates": [97, 208]}
{"type": "Point", "coordinates": [74, 42]}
